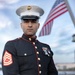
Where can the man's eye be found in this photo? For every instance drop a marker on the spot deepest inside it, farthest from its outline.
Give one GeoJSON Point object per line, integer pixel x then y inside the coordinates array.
{"type": "Point", "coordinates": [34, 21]}
{"type": "Point", "coordinates": [26, 21]}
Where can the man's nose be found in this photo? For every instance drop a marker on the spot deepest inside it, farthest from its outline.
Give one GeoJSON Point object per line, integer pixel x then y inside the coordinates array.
{"type": "Point", "coordinates": [30, 24]}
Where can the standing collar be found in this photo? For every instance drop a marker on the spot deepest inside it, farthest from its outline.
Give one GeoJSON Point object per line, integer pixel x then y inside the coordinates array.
{"type": "Point", "coordinates": [29, 38]}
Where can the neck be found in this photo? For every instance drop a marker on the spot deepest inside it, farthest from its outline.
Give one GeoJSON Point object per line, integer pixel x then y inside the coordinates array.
{"type": "Point", "coordinates": [32, 36]}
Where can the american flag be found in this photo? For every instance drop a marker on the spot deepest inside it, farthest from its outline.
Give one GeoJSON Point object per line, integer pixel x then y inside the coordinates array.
{"type": "Point", "coordinates": [58, 9]}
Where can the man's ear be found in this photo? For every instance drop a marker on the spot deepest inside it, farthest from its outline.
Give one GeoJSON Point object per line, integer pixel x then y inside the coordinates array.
{"type": "Point", "coordinates": [38, 25]}
{"type": "Point", "coordinates": [21, 25]}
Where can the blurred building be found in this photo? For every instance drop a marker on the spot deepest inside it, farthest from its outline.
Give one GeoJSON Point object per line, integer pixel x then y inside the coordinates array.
{"type": "Point", "coordinates": [63, 66]}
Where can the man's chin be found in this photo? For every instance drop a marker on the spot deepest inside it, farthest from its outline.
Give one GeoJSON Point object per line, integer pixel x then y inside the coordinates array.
{"type": "Point", "coordinates": [30, 34]}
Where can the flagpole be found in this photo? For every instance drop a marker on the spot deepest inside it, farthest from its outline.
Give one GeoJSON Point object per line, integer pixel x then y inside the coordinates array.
{"type": "Point", "coordinates": [70, 11]}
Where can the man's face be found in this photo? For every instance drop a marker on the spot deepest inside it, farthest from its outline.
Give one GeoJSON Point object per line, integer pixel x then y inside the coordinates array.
{"type": "Point", "coordinates": [30, 26]}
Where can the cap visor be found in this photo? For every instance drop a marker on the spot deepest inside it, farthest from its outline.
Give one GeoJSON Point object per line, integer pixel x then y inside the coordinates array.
{"type": "Point", "coordinates": [29, 17]}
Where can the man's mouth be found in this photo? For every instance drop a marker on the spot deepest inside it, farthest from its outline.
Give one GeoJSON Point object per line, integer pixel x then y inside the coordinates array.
{"type": "Point", "coordinates": [29, 29]}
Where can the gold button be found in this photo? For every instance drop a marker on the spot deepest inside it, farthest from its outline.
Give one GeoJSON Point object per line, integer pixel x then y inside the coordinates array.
{"type": "Point", "coordinates": [34, 43]}
{"type": "Point", "coordinates": [39, 65]}
{"type": "Point", "coordinates": [25, 54]}
{"type": "Point", "coordinates": [40, 72]}
{"type": "Point", "coordinates": [35, 47]}
{"type": "Point", "coordinates": [37, 52]}
{"type": "Point", "coordinates": [30, 39]}
{"type": "Point", "coordinates": [38, 58]}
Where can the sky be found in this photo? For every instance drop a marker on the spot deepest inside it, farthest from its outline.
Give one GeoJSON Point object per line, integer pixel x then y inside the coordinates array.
{"type": "Point", "coordinates": [60, 39]}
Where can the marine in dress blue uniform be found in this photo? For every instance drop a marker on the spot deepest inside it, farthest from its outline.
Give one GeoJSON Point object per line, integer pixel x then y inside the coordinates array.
{"type": "Point", "coordinates": [26, 55]}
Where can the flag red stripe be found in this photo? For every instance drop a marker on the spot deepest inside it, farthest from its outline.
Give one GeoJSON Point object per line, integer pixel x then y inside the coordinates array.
{"type": "Point", "coordinates": [58, 9]}
{"type": "Point", "coordinates": [53, 17]}
{"type": "Point", "coordinates": [55, 11]}
{"type": "Point", "coordinates": [46, 29]}
{"type": "Point", "coordinates": [59, 6]}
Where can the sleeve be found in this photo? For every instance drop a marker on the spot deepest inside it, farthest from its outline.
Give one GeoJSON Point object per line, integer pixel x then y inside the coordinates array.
{"type": "Point", "coordinates": [51, 68]}
{"type": "Point", "coordinates": [9, 60]}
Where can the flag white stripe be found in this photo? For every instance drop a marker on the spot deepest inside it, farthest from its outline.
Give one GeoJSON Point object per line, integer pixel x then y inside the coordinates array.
{"type": "Point", "coordinates": [55, 15]}
{"type": "Point", "coordinates": [57, 10]}
{"type": "Point", "coordinates": [60, 11]}
{"type": "Point", "coordinates": [60, 6]}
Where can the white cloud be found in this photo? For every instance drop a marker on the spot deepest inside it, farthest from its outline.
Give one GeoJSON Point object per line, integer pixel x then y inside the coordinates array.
{"type": "Point", "coordinates": [54, 45]}
{"type": "Point", "coordinates": [1, 5]}
{"type": "Point", "coordinates": [5, 38]}
{"type": "Point", "coordinates": [4, 3]}
{"type": "Point", "coordinates": [68, 47]}
{"type": "Point", "coordinates": [11, 1]}
{"type": "Point", "coordinates": [4, 21]}
{"type": "Point", "coordinates": [8, 1]}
